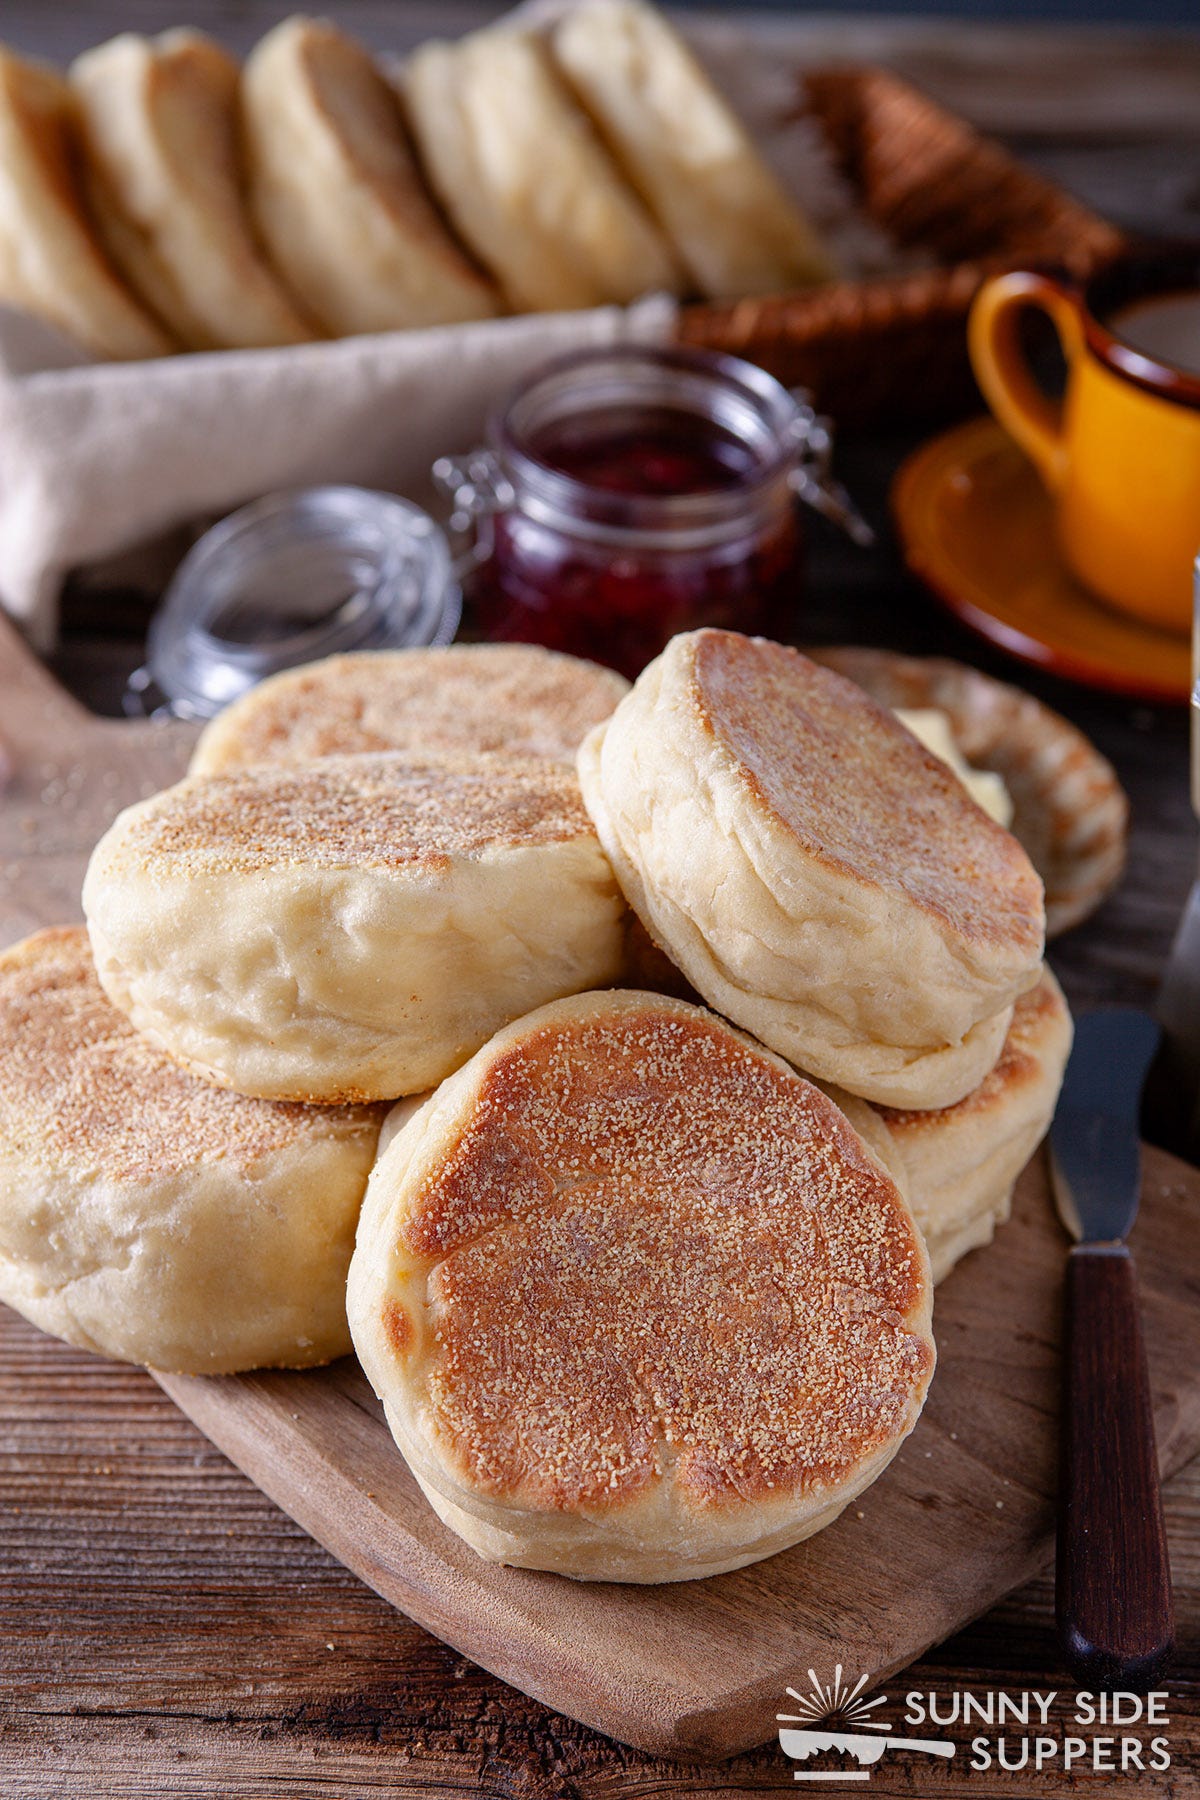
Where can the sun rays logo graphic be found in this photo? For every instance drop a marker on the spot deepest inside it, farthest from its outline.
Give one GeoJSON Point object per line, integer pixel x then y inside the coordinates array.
{"type": "Point", "coordinates": [836, 1701]}
{"type": "Point", "coordinates": [835, 1717]}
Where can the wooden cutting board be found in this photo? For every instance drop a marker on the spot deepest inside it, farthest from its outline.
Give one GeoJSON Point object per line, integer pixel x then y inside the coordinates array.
{"type": "Point", "coordinates": [64, 776]}
{"type": "Point", "coordinates": [964, 1514]}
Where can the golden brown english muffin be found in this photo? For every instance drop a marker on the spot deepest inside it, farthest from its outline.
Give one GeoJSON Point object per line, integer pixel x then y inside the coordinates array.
{"type": "Point", "coordinates": [525, 179]}
{"type": "Point", "coordinates": [818, 876]}
{"type": "Point", "coordinates": [165, 181]}
{"type": "Point", "coordinates": [732, 225]}
{"type": "Point", "coordinates": [515, 698]}
{"type": "Point", "coordinates": [350, 929]}
{"type": "Point", "coordinates": [148, 1216]}
{"type": "Point", "coordinates": [337, 195]}
{"type": "Point", "coordinates": [958, 1164]}
{"type": "Point", "coordinates": [52, 263]}
{"type": "Point", "coordinates": [638, 1301]}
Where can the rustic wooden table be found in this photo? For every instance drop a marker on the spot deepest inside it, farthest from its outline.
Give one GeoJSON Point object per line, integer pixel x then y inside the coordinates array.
{"type": "Point", "coordinates": [164, 1630]}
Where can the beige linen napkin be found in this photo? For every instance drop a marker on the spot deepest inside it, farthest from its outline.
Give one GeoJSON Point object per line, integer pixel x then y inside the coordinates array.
{"type": "Point", "coordinates": [97, 459]}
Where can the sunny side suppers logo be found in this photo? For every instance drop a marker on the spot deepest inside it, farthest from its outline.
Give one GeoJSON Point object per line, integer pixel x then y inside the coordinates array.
{"type": "Point", "coordinates": [836, 1726]}
{"type": "Point", "coordinates": [823, 1710]}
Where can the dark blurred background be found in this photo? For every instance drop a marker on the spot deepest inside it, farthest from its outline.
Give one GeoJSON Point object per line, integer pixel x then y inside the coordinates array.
{"type": "Point", "coordinates": [1086, 12]}
{"type": "Point", "coordinates": [64, 27]}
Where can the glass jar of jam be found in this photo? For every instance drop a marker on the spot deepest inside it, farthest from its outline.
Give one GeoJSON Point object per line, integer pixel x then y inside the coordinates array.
{"type": "Point", "coordinates": [627, 494]}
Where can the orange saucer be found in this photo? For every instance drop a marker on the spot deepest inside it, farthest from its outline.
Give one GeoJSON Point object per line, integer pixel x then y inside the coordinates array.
{"type": "Point", "coordinates": [977, 526]}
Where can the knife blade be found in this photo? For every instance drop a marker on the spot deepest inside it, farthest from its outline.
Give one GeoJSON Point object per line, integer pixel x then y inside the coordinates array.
{"type": "Point", "coordinates": [1113, 1583]}
{"type": "Point", "coordinates": [1095, 1153]}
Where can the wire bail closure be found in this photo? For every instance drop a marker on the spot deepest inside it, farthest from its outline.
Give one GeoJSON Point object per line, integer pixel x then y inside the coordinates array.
{"type": "Point", "coordinates": [477, 489]}
{"type": "Point", "coordinates": [812, 479]}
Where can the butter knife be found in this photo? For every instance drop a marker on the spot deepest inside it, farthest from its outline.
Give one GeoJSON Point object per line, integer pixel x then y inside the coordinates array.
{"type": "Point", "coordinates": [1113, 1597]}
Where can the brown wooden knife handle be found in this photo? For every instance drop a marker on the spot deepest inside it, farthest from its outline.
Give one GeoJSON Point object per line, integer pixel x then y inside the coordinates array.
{"type": "Point", "coordinates": [1115, 1615]}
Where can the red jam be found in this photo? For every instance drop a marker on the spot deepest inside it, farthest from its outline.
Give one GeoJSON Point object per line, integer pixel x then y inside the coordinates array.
{"type": "Point", "coordinates": [659, 452]}
{"type": "Point", "coordinates": [631, 520]}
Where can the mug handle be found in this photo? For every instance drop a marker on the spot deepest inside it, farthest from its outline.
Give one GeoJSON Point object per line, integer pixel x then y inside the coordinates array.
{"type": "Point", "coordinates": [1026, 413]}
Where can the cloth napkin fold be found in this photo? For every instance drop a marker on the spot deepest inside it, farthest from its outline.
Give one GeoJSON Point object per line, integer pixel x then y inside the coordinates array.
{"type": "Point", "coordinates": [97, 459]}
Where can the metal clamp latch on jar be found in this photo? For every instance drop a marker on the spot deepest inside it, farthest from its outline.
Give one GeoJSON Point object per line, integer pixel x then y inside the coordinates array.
{"type": "Point", "coordinates": [811, 434]}
{"type": "Point", "coordinates": [477, 489]}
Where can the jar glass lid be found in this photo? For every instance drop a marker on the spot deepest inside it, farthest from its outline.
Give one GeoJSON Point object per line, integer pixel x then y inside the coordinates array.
{"type": "Point", "coordinates": [290, 578]}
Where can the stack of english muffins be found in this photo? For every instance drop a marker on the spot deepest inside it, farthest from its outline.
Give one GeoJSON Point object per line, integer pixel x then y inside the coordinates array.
{"type": "Point", "coordinates": [644, 1281]}
{"type": "Point", "coordinates": [159, 198]}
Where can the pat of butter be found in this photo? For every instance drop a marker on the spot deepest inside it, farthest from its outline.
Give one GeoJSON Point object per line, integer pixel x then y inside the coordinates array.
{"type": "Point", "coordinates": [932, 728]}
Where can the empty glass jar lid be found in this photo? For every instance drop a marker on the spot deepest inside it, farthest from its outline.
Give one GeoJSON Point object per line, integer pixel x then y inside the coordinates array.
{"type": "Point", "coordinates": [288, 579]}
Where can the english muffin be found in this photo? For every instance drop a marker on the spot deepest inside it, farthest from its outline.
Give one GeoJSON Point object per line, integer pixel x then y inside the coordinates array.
{"type": "Point", "coordinates": [817, 875]}
{"type": "Point", "coordinates": [52, 263]}
{"type": "Point", "coordinates": [958, 1165]}
{"type": "Point", "coordinates": [350, 929]}
{"type": "Point", "coordinates": [336, 194]}
{"type": "Point", "coordinates": [165, 181]}
{"type": "Point", "coordinates": [148, 1216]}
{"type": "Point", "coordinates": [514, 698]}
{"type": "Point", "coordinates": [725, 213]}
{"type": "Point", "coordinates": [639, 1303]}
{"type": "Point", "coordinates": [525, 179]}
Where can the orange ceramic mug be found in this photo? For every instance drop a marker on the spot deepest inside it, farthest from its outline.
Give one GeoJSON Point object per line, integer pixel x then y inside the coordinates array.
{"type": "Point", "coordinates": [1121, 454]}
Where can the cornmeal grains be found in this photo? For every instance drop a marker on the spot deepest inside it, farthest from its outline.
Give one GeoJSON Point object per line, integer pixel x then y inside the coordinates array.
{"type": "Point", "coordinates": [639, 1302]}
{"type": "Point", "coordinates": [517, 699]}
{"type": "Point", "coordinates": [149, 1216]}
{"type": "Point", "coordinates": [354, 928]}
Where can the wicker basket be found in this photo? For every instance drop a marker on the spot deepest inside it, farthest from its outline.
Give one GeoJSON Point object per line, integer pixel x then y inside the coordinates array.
{"type": "Point", "coordinates": [892, 350]}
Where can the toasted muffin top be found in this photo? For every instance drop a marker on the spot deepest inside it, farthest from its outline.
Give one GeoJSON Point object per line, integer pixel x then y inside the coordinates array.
{"type": "Point", "coordinates": [513, 698]}
{"type": "Point", "coordinates": [649, 1250]}
{"type": "Point", "coordinates": [82, 1088]}
{"type": "Point", "coordinates": [405, 814]}
{"type": "Point", "coordinates": [853, 788]}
